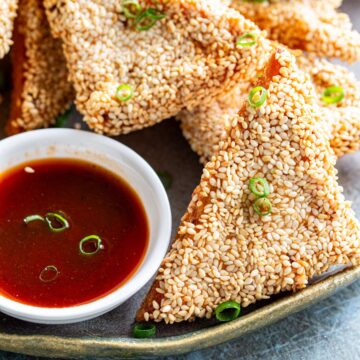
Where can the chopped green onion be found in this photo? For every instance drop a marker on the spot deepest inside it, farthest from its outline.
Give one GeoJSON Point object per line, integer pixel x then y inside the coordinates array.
{"type": "Point", "coordinates": [54, 219]}
{"type": "Point", "coordinates": [155, 14]}
{"type": "Point", "coordinates": [147, 19]}
{"type": "Point", "coordinates": [144, 23]}
{"type": "Point", "coordinates": [259, 187]}
{"type": "Point", "coordinates": [227, 311]}
{"type": "Point", "coordinates": [333, 95]}
{"type": "Point", "coordinates": [131, 8]}
{"type": "Point", "coordinates": [62, 119]}
{"type": "Point", "coordinates": [262, 206]}
{"type": "Point", "coordinates": [247, 39]}
{"type": "Point", "coordinates": [49, 273]}
{"type": "Point", "coordinates": [257, 96]}
{"type": "Point", "coordinates": [31, 218]}
{"type": "Point", "coordinates": [124, 92]}
{"type": "Point", "coordinates": [165, 178]}
{"type": "Point", "coordinates": [142, 331]}
{"type": "Point", "coordinates": [90, 241]}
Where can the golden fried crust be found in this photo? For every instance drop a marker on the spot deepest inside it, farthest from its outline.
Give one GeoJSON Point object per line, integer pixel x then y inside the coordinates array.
{"type": "Point", "coordinates": [41, 88]}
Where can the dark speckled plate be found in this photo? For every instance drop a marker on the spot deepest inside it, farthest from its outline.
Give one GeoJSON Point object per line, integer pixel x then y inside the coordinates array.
{"type": "Point", "coordinates": [110, 335]}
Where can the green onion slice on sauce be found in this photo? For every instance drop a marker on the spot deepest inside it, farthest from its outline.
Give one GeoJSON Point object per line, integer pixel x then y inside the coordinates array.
{"type": "Point", "coordinates": [259, 187]}
{"type": "Point", "coordinates": [90, 245]}
{"type": "Point", "coordinates": [262, 206]}
{"type": "Point", "coordinates": [333, 95]}
{"type": "Point", "coordinates": [246, 40]}
{"type": "Point", "coordinates": [131, 8]}
{"type": "Point", "coordinates": [165, 178]}
{"type": "Point", "coordinates": [31, 218]}
{"type": "Point", "coordinates": [148, 18]}
{"type": "Point", "coordinates": [142, 331]}
{"type": "Point", "coordinates": [49, 273]}
{"type": "Point", "coordinates": [124, 92]}
{"type": "Point", "coordinates": [257, 96]}
{"type": "Point", "coordinates": [56, 222]}
{"type": "Point", "coordinates": [228, 311]}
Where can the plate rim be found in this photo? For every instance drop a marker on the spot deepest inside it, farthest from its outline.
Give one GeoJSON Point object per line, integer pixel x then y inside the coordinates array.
{"type": "Point", "coordinates": [71, 347]}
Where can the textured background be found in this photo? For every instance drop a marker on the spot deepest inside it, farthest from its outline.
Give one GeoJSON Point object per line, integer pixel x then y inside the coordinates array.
{"type": "Point", "coordinates": [328, 330]}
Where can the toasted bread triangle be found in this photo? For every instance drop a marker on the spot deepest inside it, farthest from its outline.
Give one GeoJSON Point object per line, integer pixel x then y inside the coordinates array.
{"type": "Point", "coordinates": [223, 249]}
{"type": "Point", "coordinates": [187, 58]}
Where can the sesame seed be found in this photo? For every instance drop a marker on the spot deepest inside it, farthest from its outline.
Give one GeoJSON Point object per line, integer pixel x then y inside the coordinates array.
{"type": "Point", "coordinates": [29, 170]}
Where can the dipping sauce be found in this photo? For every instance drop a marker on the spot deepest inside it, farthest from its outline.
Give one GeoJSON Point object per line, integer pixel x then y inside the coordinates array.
{"type": "Point", "coordinates": [45, 267]}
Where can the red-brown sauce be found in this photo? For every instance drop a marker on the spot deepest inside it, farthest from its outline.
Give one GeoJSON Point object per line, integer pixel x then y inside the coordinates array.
{"type": "Point", "coordinates": [94, 201]}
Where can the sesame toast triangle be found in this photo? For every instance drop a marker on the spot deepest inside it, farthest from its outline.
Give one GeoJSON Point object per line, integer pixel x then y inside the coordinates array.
{"type": "Point", "coordinates": [315, 26]}
{"type": "Point", "coordinates": [226, 247]}
{"type": "Point", "coordinates": [205, 125]}
{"type": "Point", "coordinates": [189, 56]}
{"type": "Point", "coordinates": [41, 90]}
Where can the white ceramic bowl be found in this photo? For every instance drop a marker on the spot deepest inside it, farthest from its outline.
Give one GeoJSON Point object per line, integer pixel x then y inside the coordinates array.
{"type": "Point", "coordinates": [108, 153]}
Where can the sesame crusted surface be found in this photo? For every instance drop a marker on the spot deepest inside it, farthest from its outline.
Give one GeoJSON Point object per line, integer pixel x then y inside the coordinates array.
{"type": "Point", "coordinates": [41, 87]}
{"type": "Point", "coordinates": [7, 16]}
{"type": "Point", "coordinates": [223, 249]}
{"type": "Point", "coordinates": [187, 58]}
{"type": "Point", "coordinates": [206, 125]}
{"type": "Point", "coordinates": [341, 120]}
{"type": "Point", "coordinates": [312, 25]}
